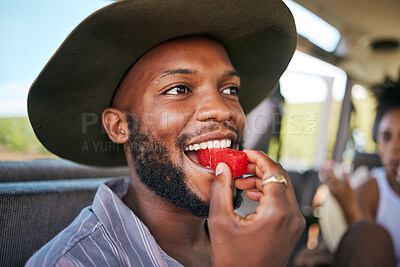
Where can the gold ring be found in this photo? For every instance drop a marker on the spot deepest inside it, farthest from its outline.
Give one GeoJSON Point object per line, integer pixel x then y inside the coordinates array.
{"type": "Point", "coordinates": [275, 179]}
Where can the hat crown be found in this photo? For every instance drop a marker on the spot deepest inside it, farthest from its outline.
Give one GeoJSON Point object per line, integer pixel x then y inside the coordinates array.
{"type": "Point", "coordinates": [66, 100]}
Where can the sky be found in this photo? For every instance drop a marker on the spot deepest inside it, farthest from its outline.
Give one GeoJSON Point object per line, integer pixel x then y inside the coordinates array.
{"type": "Point", "coordinates": [33, 30]}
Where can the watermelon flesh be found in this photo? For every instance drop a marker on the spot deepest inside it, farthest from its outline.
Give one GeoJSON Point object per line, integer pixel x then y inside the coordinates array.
{"type": "Point", "coordinates": [236, 160]}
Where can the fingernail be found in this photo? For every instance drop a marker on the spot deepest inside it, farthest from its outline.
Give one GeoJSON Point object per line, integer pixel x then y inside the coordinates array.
{"type": "Point", "coordinates": [219, 169]}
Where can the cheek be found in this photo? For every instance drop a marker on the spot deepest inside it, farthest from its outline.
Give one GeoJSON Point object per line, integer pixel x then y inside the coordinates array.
{"type": "Point", "coordinates": [165, 124]}
{"type": "Point", "coordinates": [240, 120]}
{"type": "Point", "coordinates": [382, 151]}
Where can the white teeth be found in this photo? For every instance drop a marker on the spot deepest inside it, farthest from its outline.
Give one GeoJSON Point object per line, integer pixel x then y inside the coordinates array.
{"type": "Point", "coordinates": [203, 145]}
{"type": "Point", "coordinates": [223, 143]}
{"type": "Point", "coordinates": [210, 144]}
{"type": "Point", "coordinates": [217, 144]}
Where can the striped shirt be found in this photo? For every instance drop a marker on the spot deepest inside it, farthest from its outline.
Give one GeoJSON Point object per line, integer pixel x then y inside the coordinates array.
{"type": "Point", "coordinates": [107, 233]}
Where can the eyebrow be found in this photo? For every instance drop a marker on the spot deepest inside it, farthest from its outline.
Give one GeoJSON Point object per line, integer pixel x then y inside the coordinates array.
{"type": "Point", "coordinates": [177, 71]}
{"type": "Point", "coordinates": [232, 73]}
{"type": "Point", "coordinates": [229, 73]}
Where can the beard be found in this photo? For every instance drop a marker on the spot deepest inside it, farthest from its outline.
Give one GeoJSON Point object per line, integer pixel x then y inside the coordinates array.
{"type": "Point", "coordinates": [157, 171]}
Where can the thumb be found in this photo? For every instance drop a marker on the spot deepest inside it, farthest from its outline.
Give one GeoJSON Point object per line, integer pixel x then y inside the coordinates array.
{"type": "Point", "coordinates": [221, 192]}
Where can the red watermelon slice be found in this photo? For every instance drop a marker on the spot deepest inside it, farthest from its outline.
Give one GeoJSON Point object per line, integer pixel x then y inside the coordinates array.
{"type": "Point", "coordinates": [236, 160]}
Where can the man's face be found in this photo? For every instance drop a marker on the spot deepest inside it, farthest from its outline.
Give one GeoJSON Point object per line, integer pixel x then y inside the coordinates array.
{"type": "Point", "coordinates": [389, 141]}
{"type": "Point", "coordinates": [183, 93]}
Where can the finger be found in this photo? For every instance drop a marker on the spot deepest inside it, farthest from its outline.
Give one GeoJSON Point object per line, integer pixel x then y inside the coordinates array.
{"type": "Point", "coordinates": [338, 171]}
{"type": "Point", "coordinates": [253, 185]}
{"type": "Point", "coordinates": [323, 173]}
{"type": "Point", "coordinates": [277, 194]}
{"type": "Point", "coordinates": [347, 170]}
{"type": "Point", "coordinates": [221, 192]}
{"type": "Point", "coordinates": [331, 176]}
{"type": "Point", "coordinates": [346, 176]}
{"type": "Point", "coordinates": [327, 173]}
{"type": "Point", "coordinates": [248, 183]}
{"type": "Point", "coordinates": [274, 197]}
{"type": "Point", "coordinates": [333, 181]}
{"type": "Point", "coordinates": [254, 195]}
{"type": "Point", "coordinates": [251, 168]}
{"type": "Point", "coordinates": [264, 167]}
{"type": "Point", "coordinates": [261, 165]}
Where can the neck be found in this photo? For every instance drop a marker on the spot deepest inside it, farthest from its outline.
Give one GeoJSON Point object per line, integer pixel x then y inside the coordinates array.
{"type": "Point", "coordinates": [178, 233]}
{"type": "Point", "coordinates": [393, 180]}
{"type": "Point", "coordinates": [394, 183]}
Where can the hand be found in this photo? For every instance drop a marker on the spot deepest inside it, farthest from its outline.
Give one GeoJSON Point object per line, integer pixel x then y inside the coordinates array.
{"type": "Point", "coordinates": [264, 238]}
{"type": "Point", "coordinates": [339, 186]}
{"type": "Point", "coordinates": [342, 191]}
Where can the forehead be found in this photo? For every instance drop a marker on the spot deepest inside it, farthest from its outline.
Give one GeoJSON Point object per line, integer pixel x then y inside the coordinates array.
{"type": "Point", "coordinates": [391, 119]}
{"type": "Point", "coordinates": [182, 53]}
{"type": "Point", "coordinates": [193, 53]}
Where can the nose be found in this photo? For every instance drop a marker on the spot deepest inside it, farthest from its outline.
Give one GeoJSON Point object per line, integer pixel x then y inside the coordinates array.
{"type": "Point", "coordinates": [213, 107]}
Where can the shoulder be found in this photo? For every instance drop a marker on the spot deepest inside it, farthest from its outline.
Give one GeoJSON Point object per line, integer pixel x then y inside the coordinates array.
{"type": "Point", "coordinates": [72, 246]}
{"type": "Point", "coordinates": [368, 196]}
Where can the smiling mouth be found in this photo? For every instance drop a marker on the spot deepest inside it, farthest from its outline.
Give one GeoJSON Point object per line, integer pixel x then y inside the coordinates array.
{"type": "Point", "coordinates": [191, 150]}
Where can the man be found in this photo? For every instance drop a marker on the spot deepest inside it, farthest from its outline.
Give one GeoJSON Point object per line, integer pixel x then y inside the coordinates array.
{"type": "Point", "coordinates": [165, 79]}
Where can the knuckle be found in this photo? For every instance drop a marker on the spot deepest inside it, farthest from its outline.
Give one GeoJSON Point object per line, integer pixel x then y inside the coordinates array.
{"type": "Point", "coordinates": [300, 221]}
{"type": "Point", "coordinates": [280, 217]}
{"type": "Point", "coordinates": [285, 218]}
{"type": "Point", "coordinates": [278, 169]}
{"type": "Point", "coordinates": [260, 153]}
{"type": "Point", "coordinates": [299, 224]}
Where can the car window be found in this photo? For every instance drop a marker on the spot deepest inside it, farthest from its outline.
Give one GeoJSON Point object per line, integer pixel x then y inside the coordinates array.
{"type": "Point", "coordinates": [313, 91]}
{"type": "Point", "coordinates": [362, 119]}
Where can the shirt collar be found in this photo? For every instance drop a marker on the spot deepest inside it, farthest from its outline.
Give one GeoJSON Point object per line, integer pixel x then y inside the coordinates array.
{"type": "Point", "coordinates": [128, 232]}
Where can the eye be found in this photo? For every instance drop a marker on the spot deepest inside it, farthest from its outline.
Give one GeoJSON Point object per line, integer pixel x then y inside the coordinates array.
{"type": "Point", "coordinates": [231, 91]}
{"type": "Point", "coordinates": [386, 136]}
{"type": "Point", "coordinates": [177, 90]}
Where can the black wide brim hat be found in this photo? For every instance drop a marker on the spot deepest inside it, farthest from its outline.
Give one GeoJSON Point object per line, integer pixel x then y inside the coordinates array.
{"type": "Point", "coordinates": [67, 99]}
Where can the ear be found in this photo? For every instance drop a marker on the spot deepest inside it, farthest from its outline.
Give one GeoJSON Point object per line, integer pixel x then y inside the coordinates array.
{"type": "Point", "coordinates": [114, 121]}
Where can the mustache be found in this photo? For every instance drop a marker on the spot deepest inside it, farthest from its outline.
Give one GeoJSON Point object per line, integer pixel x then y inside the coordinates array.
{"type": "Point", "coordinates": [181, 141]}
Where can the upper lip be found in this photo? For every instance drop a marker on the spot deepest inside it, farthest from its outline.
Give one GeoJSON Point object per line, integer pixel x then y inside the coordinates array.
{"type": "Point", "coordinates": [214, 135]}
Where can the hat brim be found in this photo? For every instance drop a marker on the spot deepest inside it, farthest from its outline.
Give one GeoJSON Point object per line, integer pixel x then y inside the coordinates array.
{"type": "Point", "coordinates": [66, 100]}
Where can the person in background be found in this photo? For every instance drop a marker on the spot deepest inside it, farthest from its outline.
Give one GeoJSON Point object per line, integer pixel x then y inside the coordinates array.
{"type": "Point", "coordinates": [372, 210]}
